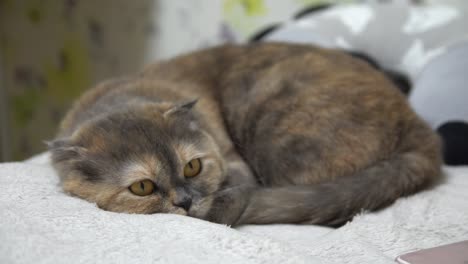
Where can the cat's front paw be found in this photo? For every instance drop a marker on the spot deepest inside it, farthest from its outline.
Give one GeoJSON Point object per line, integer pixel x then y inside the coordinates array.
{"type": "Point", "coordinates": [224, 207]}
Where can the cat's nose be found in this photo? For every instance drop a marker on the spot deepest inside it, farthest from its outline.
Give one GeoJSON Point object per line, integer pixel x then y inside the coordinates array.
{"type": "Point", "coordinates": [182, 199]}
{"type": "Point", "coordinates": [184, 203]}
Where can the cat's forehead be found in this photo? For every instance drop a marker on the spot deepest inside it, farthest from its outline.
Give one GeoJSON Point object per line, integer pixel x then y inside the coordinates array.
{"type": "Point", "coordinates": [137, 147]}
{"type": "Point", "coordinates": [146, 167]}
{"type": "Point", "coordinates": [129, 129]}
{"type": "Point", "coordinates": [147, 120]}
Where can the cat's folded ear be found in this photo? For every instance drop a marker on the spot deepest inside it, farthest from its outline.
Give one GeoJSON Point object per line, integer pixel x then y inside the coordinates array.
{"type": "Point", "coordinates": [64, 149]}
{"type": "Point", "coordinates": [180, 108]}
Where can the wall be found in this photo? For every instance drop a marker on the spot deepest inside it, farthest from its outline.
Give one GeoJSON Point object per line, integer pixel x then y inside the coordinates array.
{"type": "Point", "coordinates": [53, 50]}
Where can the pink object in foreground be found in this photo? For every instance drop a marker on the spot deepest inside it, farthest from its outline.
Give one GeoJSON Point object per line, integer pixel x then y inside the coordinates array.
{"type": "Point", "coordinates": [456, 253]}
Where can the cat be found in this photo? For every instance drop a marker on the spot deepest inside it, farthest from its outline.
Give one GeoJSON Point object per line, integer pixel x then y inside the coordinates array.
{"type": "Point", "coordinates": [247, 134]}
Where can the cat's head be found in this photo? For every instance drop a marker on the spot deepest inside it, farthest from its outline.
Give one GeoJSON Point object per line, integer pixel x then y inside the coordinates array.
{"type": "Point", "coordinates": [151, 158]}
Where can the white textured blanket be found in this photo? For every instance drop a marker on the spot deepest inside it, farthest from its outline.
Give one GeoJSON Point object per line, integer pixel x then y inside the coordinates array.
{"type": "Point", "coordinates": [40, 224]}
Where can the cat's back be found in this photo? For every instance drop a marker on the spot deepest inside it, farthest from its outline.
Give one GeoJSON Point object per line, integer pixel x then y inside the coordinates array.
{"type": "Point", "coordinates": [295, 109]}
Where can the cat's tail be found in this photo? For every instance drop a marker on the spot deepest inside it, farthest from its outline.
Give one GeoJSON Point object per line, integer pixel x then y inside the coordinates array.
{"type": "Point", "coordinates": [416, 165]}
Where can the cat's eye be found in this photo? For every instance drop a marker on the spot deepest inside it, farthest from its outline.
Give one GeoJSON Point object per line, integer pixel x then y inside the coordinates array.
{"type": "Point", "coordinates": [193, 168]}
{"type": "Point", "coordinates": [142, 188]}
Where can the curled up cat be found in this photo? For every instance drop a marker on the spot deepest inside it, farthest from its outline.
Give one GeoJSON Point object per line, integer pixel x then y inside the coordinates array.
{"type": "Point", "coordinates": [247, 134]}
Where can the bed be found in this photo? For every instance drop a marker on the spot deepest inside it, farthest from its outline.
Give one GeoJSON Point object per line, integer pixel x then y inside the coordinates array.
{"type": "Point", "coordinates": [41, 224]}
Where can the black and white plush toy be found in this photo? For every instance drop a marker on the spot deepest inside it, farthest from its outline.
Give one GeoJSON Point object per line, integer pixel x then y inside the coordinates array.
{"type": "Point", "coordinates": [440, 96]}
{"type": "Point", "coordinates": [428, 44]}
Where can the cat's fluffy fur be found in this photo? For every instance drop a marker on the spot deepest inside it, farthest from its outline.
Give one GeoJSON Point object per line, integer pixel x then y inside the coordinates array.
{"type": "Point", "coordinates": [286, 134]}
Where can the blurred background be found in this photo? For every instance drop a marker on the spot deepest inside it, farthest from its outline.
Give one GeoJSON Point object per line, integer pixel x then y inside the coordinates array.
{"type": "Point", "coordinates": [51, 50]}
